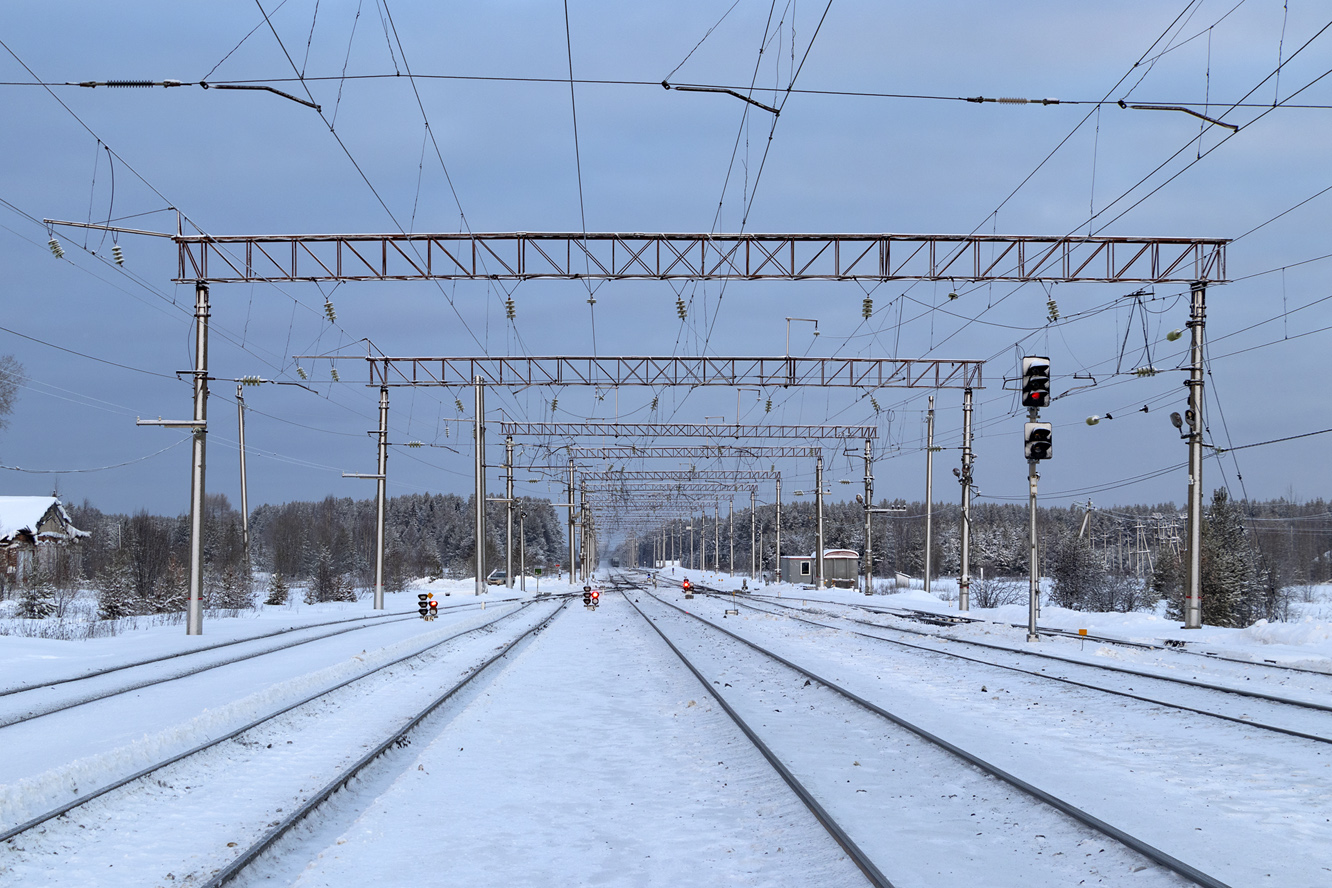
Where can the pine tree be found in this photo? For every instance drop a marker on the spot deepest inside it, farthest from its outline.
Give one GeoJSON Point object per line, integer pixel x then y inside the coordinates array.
{"type": "Point", "coordinates": [278, 591]}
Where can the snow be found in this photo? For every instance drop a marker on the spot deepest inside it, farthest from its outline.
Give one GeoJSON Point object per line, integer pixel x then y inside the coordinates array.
{"type": "Point", "coordinates": [590, 755]}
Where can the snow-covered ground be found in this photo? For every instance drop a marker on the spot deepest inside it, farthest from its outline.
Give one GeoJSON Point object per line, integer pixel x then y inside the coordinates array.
{"type": "Point", "coordinates": [591, 756]}
{"type": "Point", "coordinates": [1305, 640]}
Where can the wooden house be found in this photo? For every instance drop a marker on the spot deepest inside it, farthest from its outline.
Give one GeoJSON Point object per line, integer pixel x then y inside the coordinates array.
{"type": "Point", "coordinates": [35, 535]}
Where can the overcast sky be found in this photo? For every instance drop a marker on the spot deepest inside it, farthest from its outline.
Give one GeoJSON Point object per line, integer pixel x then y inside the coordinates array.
{"type": "Point", "coordinates": [249, 162]}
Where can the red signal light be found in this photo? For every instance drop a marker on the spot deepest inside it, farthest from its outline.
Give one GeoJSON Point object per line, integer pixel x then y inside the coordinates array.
{"type": "Point", "coordinates": [596, 594]}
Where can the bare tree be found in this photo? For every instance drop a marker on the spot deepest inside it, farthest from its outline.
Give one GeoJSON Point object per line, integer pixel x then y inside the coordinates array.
{"type": "Point", "coordinates": [11, 374]}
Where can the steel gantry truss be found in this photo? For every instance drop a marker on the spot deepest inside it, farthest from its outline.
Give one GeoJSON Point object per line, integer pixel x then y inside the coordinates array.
{"type": "Point", "coordinates": [682, 475]}
{"type": "Point", "coordinates": [778, 371]}
{"type": "Point", "coordinates": [685, 430]}
{"type": "Point", "coordinates": [205, 259]}
{"type": "Point", "coordinates": [696, 451]}
{"type": "Point", "coordinates": [521, 256]}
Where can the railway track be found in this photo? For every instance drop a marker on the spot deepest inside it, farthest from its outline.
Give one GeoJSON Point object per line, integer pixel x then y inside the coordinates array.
{"type": "Point", "coordinates": [813, 738]}
{"type": "Point", "coordinates": [78, 690]}
{"type": "Point", "coordinates": [1311, 724]}
{"type": "Point", "coordinates": [935, 618]}
{"type": "Point", "coordinates": [169, 773]}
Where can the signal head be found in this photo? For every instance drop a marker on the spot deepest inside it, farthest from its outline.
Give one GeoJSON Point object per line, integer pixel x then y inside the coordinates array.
{"type": "Point", "coordinates": [1037, 440]}
{"type": "Point", "coordinates": [1035, 382]}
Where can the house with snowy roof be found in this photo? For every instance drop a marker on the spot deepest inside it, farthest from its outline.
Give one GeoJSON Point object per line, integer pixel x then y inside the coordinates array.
{"type": "Point", "coordinates": [35, 534]}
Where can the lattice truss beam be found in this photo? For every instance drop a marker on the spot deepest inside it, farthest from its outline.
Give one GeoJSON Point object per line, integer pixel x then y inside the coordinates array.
{"type": "Point", "coordinates": [682, 475]}
{"type": "Point", "coordinates": [520, 256]}
{"type": "Point", "coordinates": [685, 430]}
{"type": "Point", "coordinates": [780, 371]}
{"type": "Point", "coordinates": [698, 451]}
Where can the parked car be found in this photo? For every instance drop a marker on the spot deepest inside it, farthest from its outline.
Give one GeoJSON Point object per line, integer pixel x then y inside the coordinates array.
{"type": "Point", "coordinates": [497, 578]}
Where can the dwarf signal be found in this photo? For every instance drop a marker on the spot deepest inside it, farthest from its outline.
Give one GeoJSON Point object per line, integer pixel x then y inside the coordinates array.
{"type": "Point", "coordinates": [426, 605]}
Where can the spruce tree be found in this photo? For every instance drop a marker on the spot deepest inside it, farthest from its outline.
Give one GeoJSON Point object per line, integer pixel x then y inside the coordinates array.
{"type": "Point", "coordinates": [278, 591]}
{"type": "Point", "coordinates": [38, 601]}
{"type": "Point", "coordinates": [115, 589]}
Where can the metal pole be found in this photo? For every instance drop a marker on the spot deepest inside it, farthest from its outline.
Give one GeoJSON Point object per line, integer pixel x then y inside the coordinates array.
{"type": "Point", "coordinates": [508, 512]}
{"type": "Point", "coordinates": [777, 554]}
{"type": "Point", "coordinates": [818, 527]}
{"type": "Point", "coordinates": [570, 501]}
{"type": "Point", "coordinates": [1033, 591]}
{"type": "Point", "coordinates": [964, 578]}
{"type": "Point", "coordinates": [929, 494]}
{"type": "Point", "coordinates": [1193, 591]}
{"type": "Point", "coordinates": [380, 493]}
{"type": "Point", "coordinates": [245, 507]}
{"type": "Point", "coordinates": [479, 435]}
{"type": "Point", "coordinates": [869, 504]}
{"type": "Point", "coordinates": [194, 612]}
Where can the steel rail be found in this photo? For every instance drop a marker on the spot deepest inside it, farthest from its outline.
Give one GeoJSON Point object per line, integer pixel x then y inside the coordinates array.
{"type": "Point", "coordinates": [138, 775]}
{"type": "Point", "coordinates": [233, 869]}
{"type": "Point", "coordinates": [839, 835]}
{"type": "Point", "coordinates": [31, 716]}
{"type": "Point", "coordinates": [1148, 851]}
{"type": "Point", "coordinates": [199, 650]}
{"type": "Point", "coordinates": [1064, 633]}
{"type": "Point", "coordinates": [1187, 682]}
{"type": "Point", "coordinates": [1062, 679]}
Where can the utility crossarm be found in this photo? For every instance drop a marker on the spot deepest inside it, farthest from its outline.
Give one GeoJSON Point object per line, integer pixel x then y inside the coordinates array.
{"type": "Point", "coordinates": [697, 451]}
{"type": "Point", "coordinates": [521, 256]}
{"type": "Point", "coordinates": [681, 475]}
{"type": "Point", "coordinates": [777, 371]}
{"type": "Point", "coordinates": [686, 430]}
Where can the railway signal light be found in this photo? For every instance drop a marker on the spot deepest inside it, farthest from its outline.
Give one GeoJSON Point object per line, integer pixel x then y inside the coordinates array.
{"type": "Point", "coordinates": [422, 604]}
{"type": "Point", "coordinates": [587, 596]}
{"type": "Point", "coordinates": [1037, 440]}
{"type": "Point", "coordinates": [1035, 382]}
{"type": "Point", "coordinates": [434, 610]}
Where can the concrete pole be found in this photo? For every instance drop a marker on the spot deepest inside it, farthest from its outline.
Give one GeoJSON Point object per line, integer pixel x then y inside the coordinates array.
{"type": "Point", "coordinates": [584, 536]}
{"type": "Point", "coordinates": [199, 462]}
{"type": "Point", "coordinates": [929, 494]}
{"type": "Point", "coordinates": [381, 483]}
{"type": "Point", "coordinates": [777, 552]}
{"type": "Point", "coordinates": [570, 501]}
{"type": "Point", "coordinates": [1193, 572]}
{"type": "Point", "coordinates": [716, 537]}
{"type": "Point", "coordinates": [479, 435]}
{"type": "Point", "coordinates": [245, 506]}
{"type": "Point", "coordinates": [753, 535]}
{"type": "Point", "coordinates": [731, 565]}
{"type": "Point", "coordinates": [818, 525]}
{"type": "Point", "coordinates": [1034, 589]}
{"type": "Point", "coordinates": [869, 504]}
{"type": "Point", "coordinates": [508, 511]}
{"type": "Point", "coordinates": [522, 551]}
{"type": "Point", "coordinates": [964, 578]}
